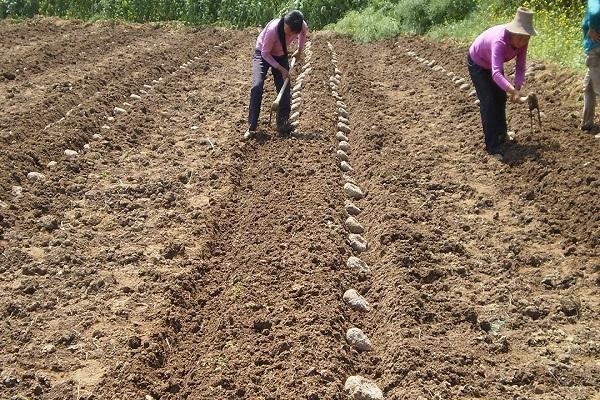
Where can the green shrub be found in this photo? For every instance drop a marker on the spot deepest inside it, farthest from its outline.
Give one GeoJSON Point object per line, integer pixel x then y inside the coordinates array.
{"type": "Point", "coordinates": [18, 8]}
{"type": "Point", "coordinates": [412, 16]}
{"type": "Point", "coordinates": [367, 25]}
{"type": "Point", "coordinates": [445, 11]}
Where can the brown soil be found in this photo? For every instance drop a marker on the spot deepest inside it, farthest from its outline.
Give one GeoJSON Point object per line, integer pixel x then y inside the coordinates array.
{"type": "Point", "coordinates": [179, 262]}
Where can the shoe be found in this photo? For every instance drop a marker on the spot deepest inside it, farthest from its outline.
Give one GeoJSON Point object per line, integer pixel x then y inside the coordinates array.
{"type": "Point", "coordinates": [249, 134]}
{"type": "Point", "coordinates": [507, 137]}
{"type": "Point", "coordinates": [285, 129]}
{"type": "Point", "coordinates": [591, 128]}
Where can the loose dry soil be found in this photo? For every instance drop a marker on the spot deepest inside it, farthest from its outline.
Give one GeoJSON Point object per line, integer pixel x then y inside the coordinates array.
{"type": "Point", "coordinates": [170, 259]}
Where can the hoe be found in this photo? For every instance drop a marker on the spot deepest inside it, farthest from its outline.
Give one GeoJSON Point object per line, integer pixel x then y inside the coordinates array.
{"type": "Point", "coordinates": [533, 105]}
{"type": "Point", "coordinates": [275, 105]}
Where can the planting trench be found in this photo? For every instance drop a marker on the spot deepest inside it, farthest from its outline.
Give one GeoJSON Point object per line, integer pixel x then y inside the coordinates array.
{"type": "Point", "coordinates": [169, 259]}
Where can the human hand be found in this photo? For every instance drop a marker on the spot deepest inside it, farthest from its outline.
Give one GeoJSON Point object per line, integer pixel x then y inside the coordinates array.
{"type": "Point", "coordinates": [284, 72]}
{"type": "Point", "coordinates": [595, 36]}
{"type": "Point", "coordinates": [516, 96]}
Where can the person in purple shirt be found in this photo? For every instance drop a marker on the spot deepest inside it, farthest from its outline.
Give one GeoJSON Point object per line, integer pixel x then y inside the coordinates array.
{"type": "Point", "coordinates": [486, 59]}
{"type": "Point", "coordinates": [271, 52]}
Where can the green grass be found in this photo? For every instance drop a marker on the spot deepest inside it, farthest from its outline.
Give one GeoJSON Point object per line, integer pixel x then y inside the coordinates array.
{"type": "Point", "coordinates": [366, 25]}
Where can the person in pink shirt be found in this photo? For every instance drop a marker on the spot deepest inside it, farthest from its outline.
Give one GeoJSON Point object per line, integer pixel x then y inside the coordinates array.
{"type": "Point", "coordinates": [486, 59]}
{"type": "Point", "coordinates": [271, 52]}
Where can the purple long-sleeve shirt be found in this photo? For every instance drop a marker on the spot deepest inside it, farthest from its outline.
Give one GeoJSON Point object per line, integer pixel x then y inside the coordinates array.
{"type": "Point", "coordinates": [269, 45]}
{"type": "Point", "coordinates": [492, 49]}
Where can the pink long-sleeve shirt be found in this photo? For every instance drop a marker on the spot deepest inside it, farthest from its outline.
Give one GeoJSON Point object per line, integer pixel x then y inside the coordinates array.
{"type": "Point", "coordinates": [269, 45]}
{"type": "Point", "coordinates": [492, 49]}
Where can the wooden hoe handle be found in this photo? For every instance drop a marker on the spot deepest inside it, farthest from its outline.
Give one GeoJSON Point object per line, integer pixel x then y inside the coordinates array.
{"type": "Point", "coordinates": [275, 105]}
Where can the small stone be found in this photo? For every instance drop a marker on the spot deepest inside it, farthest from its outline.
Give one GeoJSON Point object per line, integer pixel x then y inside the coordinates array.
{"type": "Point", "coordinates": [356, 301]}
{"type": "Point", "coordinates": [472, 93]}
{"type": "Point", "coordinates": [97, 136]}
{"type": "Point", "coordinates": [295, 106]}
{"type": "Point", "coordinates": [357, 265]}
{"type": "Point", "coordinates": [465, 86]}
{"type": "Point", "coordinates": [351, 209]}
{"type": "Point", "coordinates": [343, 120]}
{"type": "Point", "coordinates": [86, 146]}
{"type": "Point", "coordinates": [341, 137]}
{"type": "Point", "coordinates": [341, 104]}
{"type": "Point", "coordinates": [70, 153]}
{"type": "Point", "coordinates": [334, 80]}
{"type": "Point", "coordinates": [17, 191]}
{"type": "Point", "coordinates": [358, 340]}
{"type": "Point", "coordinates": [344, 146]}
{"type": "Point", "coordinates": [126, 104]}
{"type": "Point", "coordinates": [147, 86]}
{"type": "Point", "coordinates": [135, 97]}
{"type": "Point", "coordinates": [359, 388]}
{"type": "Point", "coordinates": [548, 282]}
{"type": "Point", "coordinates": [51, 164]}
{"type": "Point", "coordinates": [533, 312]}
{"type": "Point", "coordinates": [459, 82]}
{"type": "Point", "coordinates": [357, 242]}
{"type": "Point", "coordinates": [341, 154]}
{"type": "Point", "coordinates": [343, 127]}
{"type": "Point", "coordinates": [252, 306]}
{"type": "Point", "coordinates": [569, 307]}
{"type": "Point", "coordinates": [338, 72]}
{"type": "Point", "coordinates": [476, 102]}
{"type": "Point", "coordinates": [49, 348]}
{"type": "Point", "coordinates": [354, 226]}
{"type": "Point", "coordinates": [296, 95]}
{"type": "Point", "coordinates": [353, 191]}
{"type": "Point", "coordinates": [344, 166]}
{"type": "Point", "coordinates": [118, 110]}
{"type": "Point", "coordinates": [297, 88]}
{"type": "Point", "coordinates": [343, 112]}
{"type": "Point", "coordinates": [35, 176]}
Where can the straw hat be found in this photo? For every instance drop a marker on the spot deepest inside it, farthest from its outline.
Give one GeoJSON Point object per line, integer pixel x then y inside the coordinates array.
{"type": "Point", "coordinates": [523, 23]}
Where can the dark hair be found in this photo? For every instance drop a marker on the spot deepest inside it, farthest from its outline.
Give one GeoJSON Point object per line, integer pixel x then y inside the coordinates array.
{"type": "Point", "coordinates": [294, 19]}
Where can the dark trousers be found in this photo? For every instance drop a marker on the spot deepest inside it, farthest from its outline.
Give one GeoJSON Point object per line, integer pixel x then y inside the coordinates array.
{"type": "Point", "coordinates": [259, 72]}
{"type": "Point", "coordinates": [492, 106]}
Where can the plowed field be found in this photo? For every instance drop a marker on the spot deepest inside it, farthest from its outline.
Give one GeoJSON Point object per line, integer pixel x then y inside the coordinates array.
{"type": "Point", "coordinates": [165, 258]}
